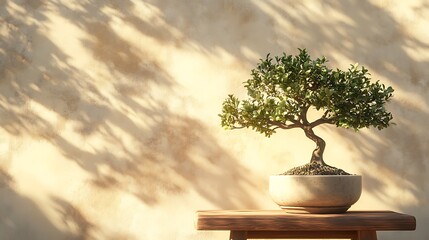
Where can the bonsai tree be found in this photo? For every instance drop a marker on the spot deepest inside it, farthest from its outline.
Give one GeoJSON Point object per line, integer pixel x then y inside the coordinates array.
{"type": "Point", "coordinates": [283, 89]}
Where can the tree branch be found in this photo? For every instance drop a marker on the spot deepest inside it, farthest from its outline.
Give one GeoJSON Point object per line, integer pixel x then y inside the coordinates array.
{"type": "Point", "coordinates": [303, 115]}
{"type": "Point", "coordinates": [285, 126]}
{"type": "Point", "coordinates": [321, 120]}
{"type": "Point", "coordinates": [295, 121]}
{"type": "Point", "coordinates": [325, 114]}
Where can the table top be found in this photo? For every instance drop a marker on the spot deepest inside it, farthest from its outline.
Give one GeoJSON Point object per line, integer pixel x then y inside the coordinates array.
{"type": "Point", "coordinates": [278, 220]}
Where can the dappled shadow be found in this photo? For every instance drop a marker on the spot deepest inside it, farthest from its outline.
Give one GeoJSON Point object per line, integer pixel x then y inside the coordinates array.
{"type": "Point", "coordinates": [6, 181]}
{"type": "Point", "coordinates": [22, 218]}
{"type": "Point", "coordinates": [73, 219]}
{"type": "Point", "coordinates": [157, 151]}
{"type": "Point", "coordinates": [175, 156]}
{"type": "Point", "coordinates": [240, 28]}
{"type": "Point", "coordinates": [146, 149]}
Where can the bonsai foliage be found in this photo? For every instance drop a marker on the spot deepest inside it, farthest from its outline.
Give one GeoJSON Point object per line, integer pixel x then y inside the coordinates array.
{"type": "Point", "coordinates": [282, 90]}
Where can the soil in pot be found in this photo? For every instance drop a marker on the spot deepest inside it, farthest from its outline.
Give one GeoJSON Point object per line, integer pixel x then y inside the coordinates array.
{"type": "Point", "coordinates": [314, 168]}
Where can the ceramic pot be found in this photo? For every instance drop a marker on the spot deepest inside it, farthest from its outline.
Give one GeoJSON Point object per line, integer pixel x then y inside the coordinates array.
{"type": "Point", "coordinates": [315, 193]}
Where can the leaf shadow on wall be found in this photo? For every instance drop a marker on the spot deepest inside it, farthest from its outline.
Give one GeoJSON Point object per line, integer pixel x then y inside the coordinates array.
{"type": "Point", "coordinates": [21, 217]}
{"type": "Point", "coordinates": [173, 144]}
{"type": "Point", "coordinates": [169, 154]}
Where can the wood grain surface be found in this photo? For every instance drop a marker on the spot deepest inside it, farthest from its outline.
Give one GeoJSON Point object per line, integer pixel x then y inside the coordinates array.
{"type": "Point", "coordinates": [277, 220]}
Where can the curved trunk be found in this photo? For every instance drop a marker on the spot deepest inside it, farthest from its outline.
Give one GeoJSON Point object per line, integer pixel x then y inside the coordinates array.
{"type": "Point", "coordinates": [317, 155]}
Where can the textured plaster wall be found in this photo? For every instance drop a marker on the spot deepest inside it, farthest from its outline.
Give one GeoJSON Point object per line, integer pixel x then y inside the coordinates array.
{"type": "Point", "coordinates": [108, 111]}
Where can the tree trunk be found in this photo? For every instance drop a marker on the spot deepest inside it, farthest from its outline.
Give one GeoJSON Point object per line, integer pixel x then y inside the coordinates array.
{"type": "Point", "coordinates": [317, 155]}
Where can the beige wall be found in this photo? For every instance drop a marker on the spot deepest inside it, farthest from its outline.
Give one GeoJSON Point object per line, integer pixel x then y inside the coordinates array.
{"type": "Point", "coordinates": [108, 111]}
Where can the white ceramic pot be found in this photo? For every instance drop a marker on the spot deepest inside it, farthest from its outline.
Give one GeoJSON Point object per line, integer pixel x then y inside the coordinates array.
{"type": "Point", "coordinates": [315, 193]}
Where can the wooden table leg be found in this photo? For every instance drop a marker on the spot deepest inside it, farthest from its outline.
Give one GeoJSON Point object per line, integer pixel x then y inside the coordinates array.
{"type": "Point", "coordinates": [367, 235]}
{"type": "Point", "coordinates": [238, 235]}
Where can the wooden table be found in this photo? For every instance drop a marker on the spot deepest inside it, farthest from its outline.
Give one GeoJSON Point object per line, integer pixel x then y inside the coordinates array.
{"type": "Point", "coordinates": [278, 224]}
